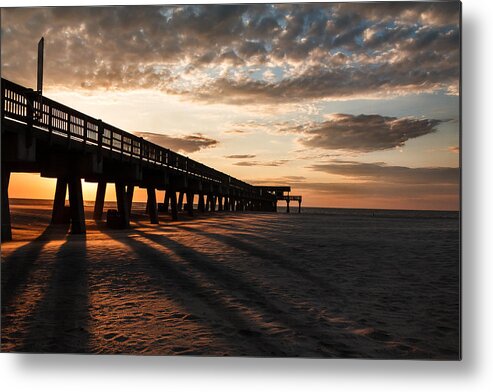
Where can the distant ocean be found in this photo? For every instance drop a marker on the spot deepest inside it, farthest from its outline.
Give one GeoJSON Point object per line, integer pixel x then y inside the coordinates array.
{"type": "Point", "coordinates": [348, 212]}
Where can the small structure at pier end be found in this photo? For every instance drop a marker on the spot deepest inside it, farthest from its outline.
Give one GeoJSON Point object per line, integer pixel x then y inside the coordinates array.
{"type": "Point", "coordinates": [281, 193]}
{"type": "Point", "coordinates": [42, 136]}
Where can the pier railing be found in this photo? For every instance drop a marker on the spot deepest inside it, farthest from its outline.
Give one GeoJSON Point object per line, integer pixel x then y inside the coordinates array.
{"type": "Point", "coordinates": [26, 106]}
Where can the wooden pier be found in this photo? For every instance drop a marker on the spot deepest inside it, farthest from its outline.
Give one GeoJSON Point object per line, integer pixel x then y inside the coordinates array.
{"type": "Point", "coordinates": [40, 135]}
{"type": "Point", "coordinates": [282, 193]}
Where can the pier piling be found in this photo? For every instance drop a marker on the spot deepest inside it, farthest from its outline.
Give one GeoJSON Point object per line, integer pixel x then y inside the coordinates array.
{"type": "Point", "coordinates": [57, 214]}
{"type": "Point", "coordinates": [174, 210]}
{"type": "Point", "coordinates": [152, 205]}
{"type": "Point", "coordinates": [122, 204]}
{"type": "Point", "coordinates": [6, 224]}
{"type": "Point", "coordinates": [77, 216]}
{"type": "Point", "coordinates": [99, 203]}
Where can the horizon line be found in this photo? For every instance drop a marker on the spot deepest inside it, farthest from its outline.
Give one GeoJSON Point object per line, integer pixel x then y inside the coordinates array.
{"type": "Point", "coordinates": [281, 206]}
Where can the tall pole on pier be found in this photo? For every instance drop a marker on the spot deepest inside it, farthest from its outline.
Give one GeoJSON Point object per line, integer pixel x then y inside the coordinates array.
{"type": "Point", "coordinates": [41, 48]}
{"type": "Point", "coordinates": [37, 110]}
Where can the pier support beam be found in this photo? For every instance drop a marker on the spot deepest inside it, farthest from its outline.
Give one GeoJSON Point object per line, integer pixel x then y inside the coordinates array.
{"type": "Point", "coordinates": [219, 203]}
{"type": "Point", "coordinates": [201, 205]}
{"type": "Point", "coordinates": [6, 223]}
{"type": "Point", "coordinates": [208, 202]}
{"type": "Point", "coordinates": [99, 204]}
{"type": "Point", "coordinates": [287, 206]}
{"type": "Point", "coordinates": [213, 203]}
{"type": "Point", "coordinates": [77, 217]}
{"type": "Point", "coordinates": [122, 204]}
{"type": "Point", "coordinates": [174, 210]}
{"type": "Point", "coordinates": [190, 203]}
{"type": "Point", "coordinates": [166, 201]}
{"type": "Point", "coordinates": [130, 196]}
{"type": "Point", "coordinates": [152, 205]}
{"type": "Point", "coordinates": [57, 214]}
{"type": "Point", "coordinates": [299, 207]}
{"type": "Point", "coordinates": [180, 201]}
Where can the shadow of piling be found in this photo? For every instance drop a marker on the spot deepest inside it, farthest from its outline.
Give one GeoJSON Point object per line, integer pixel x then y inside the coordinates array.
{"type": "Point", "coordinates": [60, 321]}
{"type": "Point", "coordinates": [190, 289]}
{"type": "Point", "coordinates": [303, 324]}
{"type": "Point", "coordinates": [295, 267]}
{"type": "Point", "coordinates": [17, 267]}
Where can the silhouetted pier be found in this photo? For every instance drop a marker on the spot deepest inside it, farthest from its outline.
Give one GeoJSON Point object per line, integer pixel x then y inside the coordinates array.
{"type": "Point", "coordinates": [42, 136]}
{"type": "Point", "coordinates": [282, 193]}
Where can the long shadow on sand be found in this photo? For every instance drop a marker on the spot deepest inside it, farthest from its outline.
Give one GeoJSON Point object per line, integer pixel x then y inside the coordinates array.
{"type": "Point", "coordinates": [273, 257]}
{"type": "Point", "coordinates": [188, 287]}
{"type": "Point", "coordinates": [17, 267]}
{"type": "Point", "coordinates": [303, 325]}
{"type": "Point", "coordinates": [59, 323]}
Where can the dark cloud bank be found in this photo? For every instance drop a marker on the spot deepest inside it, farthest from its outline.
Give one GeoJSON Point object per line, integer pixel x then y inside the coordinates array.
{"type": "Point", "coordinates": [391, 174]}
{"type": "Point", "coordinates": [240, 156]}
{"type": "Point", "coordinates": [262, 163]}
{"type": "Point", "coordinates": [316, 50]}
{"type": "Point", "coordinates": [362, 133]}
{"type": "Point", "coordinates": [187, 144]}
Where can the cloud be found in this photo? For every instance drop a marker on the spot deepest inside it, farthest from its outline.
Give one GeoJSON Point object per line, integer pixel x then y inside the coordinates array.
{"type": "Point", "coordinates": [412, 75]}
{"type": "Point", "coordinates": [253, 126]}
{"type": "Point", "coordinates": [362, 133]}
{"type": "Point", "coordinates": [454, 149]}
{"type": "Point", "coordinates": [209, 52]}
{"type": "Point", "coordinates": [295, 178]}
{"type": "Point", "coordinates": [187, 143]}
{"type": "Point", "coordinates": [381, 172]}
{"type": "Point", "coordinates": [262, 163]}
{"type": "Point", "coordinates": [309, 155]}
{"type": "Point", "coordinates": [236, 131]}
{"type": "Point", "coordinates": [240, 156]}
{"type": "Point", "coordinates": [283, 180]}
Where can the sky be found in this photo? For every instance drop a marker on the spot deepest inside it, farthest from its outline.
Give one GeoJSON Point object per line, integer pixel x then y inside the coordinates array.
{"type": "Point", "coordinates": [353, 105]}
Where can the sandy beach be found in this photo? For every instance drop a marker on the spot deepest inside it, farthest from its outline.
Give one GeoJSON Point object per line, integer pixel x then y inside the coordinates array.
{"type": "Point", "coordinates": [351, 285]}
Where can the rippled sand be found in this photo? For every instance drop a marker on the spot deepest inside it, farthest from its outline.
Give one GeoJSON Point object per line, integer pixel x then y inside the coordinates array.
{"type": "Point", "coordinates": [256, 284]}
